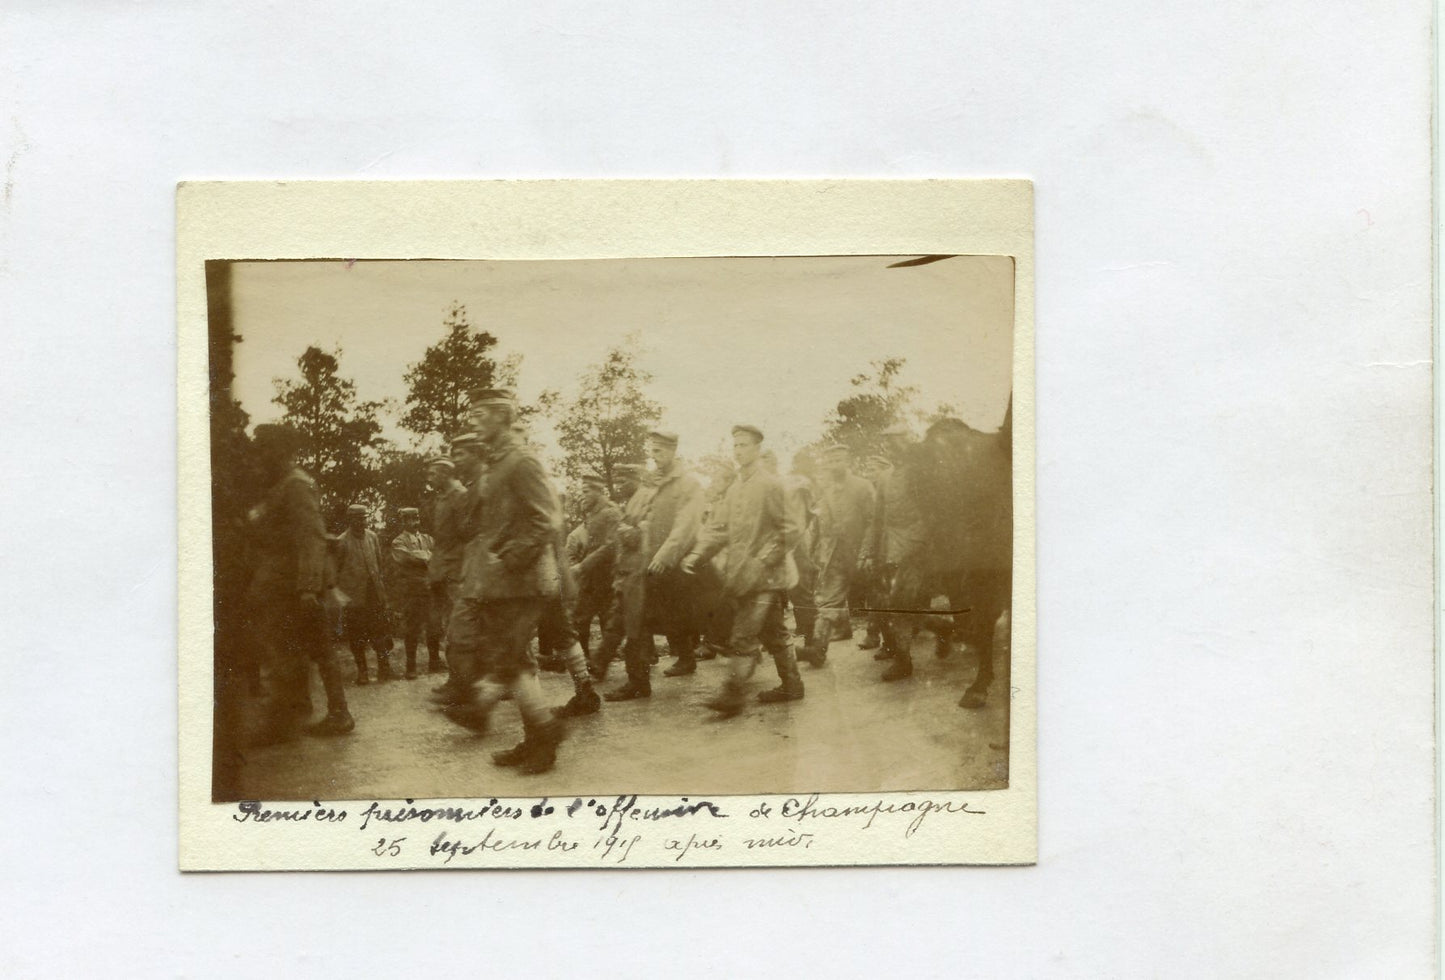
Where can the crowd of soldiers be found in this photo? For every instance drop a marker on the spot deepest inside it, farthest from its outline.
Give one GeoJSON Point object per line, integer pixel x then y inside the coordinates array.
{"type": "Point", "coordinates": [919, 536]}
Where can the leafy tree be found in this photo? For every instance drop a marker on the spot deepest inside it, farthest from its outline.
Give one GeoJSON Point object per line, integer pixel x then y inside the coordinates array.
{"type": "Point", "coordinates": [878, 401]}
{"type": "Point", "coordinates": [607, 423]}
{"type": "Point", "coordinates": [437, 385]}
{"type": "Point", "coordinates": [342, 433]}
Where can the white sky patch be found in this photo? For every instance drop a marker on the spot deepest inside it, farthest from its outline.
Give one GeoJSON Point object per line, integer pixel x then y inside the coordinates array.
{"type": "Point", "coordinates": [769, 341]}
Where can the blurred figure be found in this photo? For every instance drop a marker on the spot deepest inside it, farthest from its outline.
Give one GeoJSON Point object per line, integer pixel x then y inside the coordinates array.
{"type": "Point", "coordinates": [897, 550]}
{"type": "Point", "coordinates": [594, 557]}
{"type": "Point", "coordinates": [671, 525]}
{"type": "Point", "coordinates": [411, 552]}
{"type": "Point", "coordinates": [445, 567]}
{"type": "Point", "coordinates": [462, 519]}
{"type": "Point", "coordinates": [965, 487]}
{"type": "Point", "coordinates": [622, 626]}
{"type": "Point", "coordinates": [510, 572]}
{"type": "Point", "coordinates": [287, 585]}
{"type": "Point", "coordinates": [756, 526]}
{"type": "Point", "coordinates": [366, 618]}
{"type": "Point", "coordinates": [845, 518]}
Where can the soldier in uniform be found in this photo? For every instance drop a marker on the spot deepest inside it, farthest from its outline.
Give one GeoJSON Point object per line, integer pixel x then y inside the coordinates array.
{"type": "Point", "coordinates": [463, 513]}
{"type": "Point", "coordinates": [445, 567]}
{"type": "Point", "coordinates": [367, 618]}
{"type": "Point", "coordinates": [509, 573]}
{"type": "Point", "coordinates": [622, 626]}
{"type": "Point", "coordinates": [595, 555]}
{"type": "Point", "coordinates": [411, 552]}
{"type": "Point", "coordinates": [896, 550]}
{"type": "Point", "coordinates": [758, 530]}
{"type": "Point", "coordinates": [285, 593]}
{"type": "Point", "coordinates": [799, 495]}
{"type": "Point", "coordinates": [673, 517]}
{"type": "Point", "coordinates": [845, 517]}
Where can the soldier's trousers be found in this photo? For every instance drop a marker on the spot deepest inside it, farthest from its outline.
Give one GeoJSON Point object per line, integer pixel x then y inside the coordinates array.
{"type": "Point", "coordinates": [758, 625]}
{"type": "Point", "coordinates": [443, 597]}
{"type": "Point", "coordinates": [296, 636]}
{"type": "Point", "coordinates": [416, 619]}
{"type": "Point", "coordinates": [802, 598]}
{"type": "Point", "coordinates": [592, 604]}
{"type": "Point", "coordinates": [905, 606]}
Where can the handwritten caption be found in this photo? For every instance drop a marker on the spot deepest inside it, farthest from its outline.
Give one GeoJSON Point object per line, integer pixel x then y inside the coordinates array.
{"type": "Point", "coordinates": [615, 831]}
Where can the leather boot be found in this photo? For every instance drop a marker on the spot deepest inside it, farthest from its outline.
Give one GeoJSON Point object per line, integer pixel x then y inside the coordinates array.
{"type": "Point", "coordinates": [383, 667]}
{"type": "Point", "coordinates": [901, 667]}
{"type": "Point", "coordinates": [791, 688]}
{"type": "Point", "coordinates": [543, 755]}
{"type": "Point", "coordinates": [469, 715]}
{"type": "Point", "coordinates": [871, 641]}
{"type": "Point", "coordinates": [815, 652]}
{"type": "Point", "coordinates": [584, 702]}
{"type": "Point", "coordinates": [730, 700]}
{"type": "Point", "coordinates": [630, 691]}
{"type": "Point", "coordinates": [332, 684]}
{"type": "Point", "coordinates": [411, 661]}
{"type": "Point", "coordinates": [686, 662]}
{"type": "Point", "coordinates": [360, 658]}
{"type": "Point", "coordinates": [433, 661]}
{"type": "Point", "coordinates": [335, 723]}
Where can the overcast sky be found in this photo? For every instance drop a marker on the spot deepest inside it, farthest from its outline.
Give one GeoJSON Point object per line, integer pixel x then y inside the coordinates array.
{"type": "Point", "coordinates": [769, 341]}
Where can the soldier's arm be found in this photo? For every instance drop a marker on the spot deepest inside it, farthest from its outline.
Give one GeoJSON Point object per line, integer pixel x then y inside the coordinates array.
{"type": "Point", "coordinates": [536, 503]}
{"type": "Point", "coordinates": [685, 526]}
{"type": "Point", "coordinates": [779, 511]}
{"type": "Point", "coordinates": [604, 546]}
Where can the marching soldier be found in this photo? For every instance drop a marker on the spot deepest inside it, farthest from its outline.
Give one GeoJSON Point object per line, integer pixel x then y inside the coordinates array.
{"type": "Point", "coordinates": [622, 626]}
{"type": "Point", "coordinates": [673, 516]}
{"type": "Point", "coordinates": [845, 517]}
{"type": "Point", "coordinates": [757, 527]}
{"type": "Point", "coordinates": [464, 655]}
{"type": "Point", "coordinates": [445, 567]}
{"type": "Point", "coordinates": [896, 550]}
{"type": "Point", "coordinates": [509, 573]}
{"type": "Point", "coordinates": [596, 554]}
{"type": "Point", "coordinates": [366, 618]}
{"type": "Point", "coordinates": [411, 552]}
{"type": "Point", "coordinates": [285, 593]}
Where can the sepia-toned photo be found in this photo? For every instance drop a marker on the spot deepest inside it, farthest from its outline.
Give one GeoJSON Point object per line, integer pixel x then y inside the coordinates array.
{"type": "Point", "coordinates": [688, 527]}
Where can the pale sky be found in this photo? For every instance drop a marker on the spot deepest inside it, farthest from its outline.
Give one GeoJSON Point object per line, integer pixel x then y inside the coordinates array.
{"type": "Point", "coordinates": [768, 341]}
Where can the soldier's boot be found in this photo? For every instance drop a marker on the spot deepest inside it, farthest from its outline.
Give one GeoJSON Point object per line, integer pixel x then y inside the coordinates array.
{"type": "Point", "coordinates": [360, 657]}
{"type": "Point", "coordinates": [706, 650]}
{"type": "Point", "coordinates": [470, 715]}
{"type": "Point", "coordinates": [791, 688]}
{"type": "Point", "coordinates": [584, 702]}
{"type": "Point", "coordinates": [630, 691]}
{"type": "Point", "coordinates": [871, 640]}
{"type": "Point", "coordinates": [639, 669]}
{"type": "Point", "coordinates": [411, 660]}
{"type": "Point", "coordinates": [383, 667]}
{"type": "Point", "coordinates": [814, 650]}
{"type": "Point", "coordinates": [545, 738]}
{"type": "Point", "coordinates": [335, 723]}
{"type": "Point", "coordinates": [434, 663]}
{"type": "Point", "coordinates": [901, 667]}
{"type": "Point", "coordinates": [686, 662]}
{"type": "Point", "coordinates": [601, 662]}
{"type": "Point", "coordinates": [730, 699]}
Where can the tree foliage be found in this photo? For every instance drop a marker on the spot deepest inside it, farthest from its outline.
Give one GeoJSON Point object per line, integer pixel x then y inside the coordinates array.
{"type": "Point", "coordinates": [878, 400]}
{"type": "Point", "coordinates": [341, 432]}
{"type": "Point", "coordinates": [607, 423]}
{"type": "Point", "coordinates": [437, 385]}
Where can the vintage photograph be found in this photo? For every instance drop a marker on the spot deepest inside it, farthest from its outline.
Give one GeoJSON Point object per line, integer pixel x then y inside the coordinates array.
{"type": "Point", "coordinates": [656, 525]}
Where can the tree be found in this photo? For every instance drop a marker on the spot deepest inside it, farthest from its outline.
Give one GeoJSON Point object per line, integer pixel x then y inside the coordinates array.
{"type": "Point", "coordinates": [877, 401]}
{"type": "Point", "coordinates": [437, 385]}
{"type": "Point", "coordinates": [607, 423]}
{"type": "Point", "coordinates": [341, 432]}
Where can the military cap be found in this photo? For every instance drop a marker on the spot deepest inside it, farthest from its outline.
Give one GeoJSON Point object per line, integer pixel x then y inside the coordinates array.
{"type": "Point", "coordinates": [751, 430]}
{"type": "Point", "coordinates": [445, 462]}
{"type": "Point", "coordinates": [478, 397]}
{"type": "Point", "coordinates": [356, 509]}
{"type": "Point", "coordinates": [409, 512]}
{"type": "Point", "coordinates": [467, 440]}
{"type": "Point", "coordinates": [593, 480]}
{"type": "Point", "coordinates": [670, 438]}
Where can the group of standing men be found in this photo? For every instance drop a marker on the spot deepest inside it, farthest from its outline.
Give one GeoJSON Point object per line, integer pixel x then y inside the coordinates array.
{"type": "Point", "coordinates": [712, 569]}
